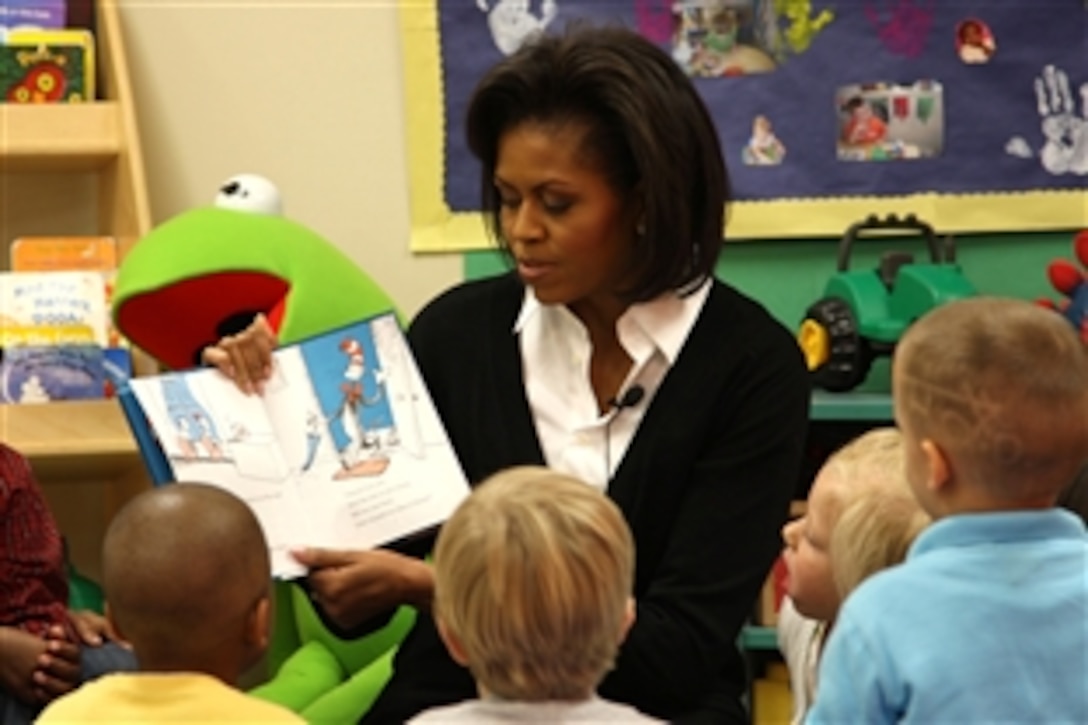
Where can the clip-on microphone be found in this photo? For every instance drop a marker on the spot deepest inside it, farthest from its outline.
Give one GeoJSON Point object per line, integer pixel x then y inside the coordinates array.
{"type": "Point", "coordinates": [630, 398]}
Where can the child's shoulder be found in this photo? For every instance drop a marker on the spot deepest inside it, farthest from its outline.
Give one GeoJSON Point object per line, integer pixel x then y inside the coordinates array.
{"type": "Point", "coordinates": [493, 711]}
{"type": "Point", "coordinates": [21, 498]}
{"type": "Point", "coordinates": [12, 463]}
{"type": "Point", "coordinates": [884, 593]}
{"type": "Point", "coordinates": [16, 476]}
{"type": "Point", "coordinates": [459, 712]}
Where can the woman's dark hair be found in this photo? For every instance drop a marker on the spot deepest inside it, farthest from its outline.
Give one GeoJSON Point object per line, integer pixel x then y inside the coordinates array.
{"type": "Point", "coordinates": [646, 126]}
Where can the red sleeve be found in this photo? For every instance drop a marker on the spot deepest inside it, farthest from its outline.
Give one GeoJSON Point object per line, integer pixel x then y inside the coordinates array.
{"type": "Point", "coordinates": [33, 586]}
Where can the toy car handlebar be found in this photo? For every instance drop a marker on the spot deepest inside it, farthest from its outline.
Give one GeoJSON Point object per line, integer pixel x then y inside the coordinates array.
{"type": "Point", "coordinates": [891, 222]}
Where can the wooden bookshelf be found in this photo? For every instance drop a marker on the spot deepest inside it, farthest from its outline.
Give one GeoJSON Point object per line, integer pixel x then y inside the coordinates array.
{"type": "Point", "coordinates": [59, 137]}
{"type": "Point", "coordinates": [81, 451]}
{"type": "Point", "coordinates": [71, 440]}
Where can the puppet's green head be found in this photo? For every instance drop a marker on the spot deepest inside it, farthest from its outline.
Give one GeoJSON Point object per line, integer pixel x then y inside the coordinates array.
{"type": "Point", "coordinates": [205, 273]}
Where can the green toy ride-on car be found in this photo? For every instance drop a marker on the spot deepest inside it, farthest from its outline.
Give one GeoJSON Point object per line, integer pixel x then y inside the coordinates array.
{"type": "Point", "coordinates": [863, 312]}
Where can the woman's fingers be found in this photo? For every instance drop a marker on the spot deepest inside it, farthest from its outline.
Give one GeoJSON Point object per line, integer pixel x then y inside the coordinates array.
{"type": "Point", "coordinates": [246, 358]}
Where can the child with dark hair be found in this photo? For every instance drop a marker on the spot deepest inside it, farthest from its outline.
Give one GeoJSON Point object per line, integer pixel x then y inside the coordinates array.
{"type": "Point", "coordinates": [186, 577]}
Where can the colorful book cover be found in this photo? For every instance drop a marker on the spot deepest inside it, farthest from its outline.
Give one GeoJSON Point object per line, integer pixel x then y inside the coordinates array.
{"type": "Point", "coordinates": [80, 253]}
{"type": "Point", "coordinates": [68, 254]}
{"type": "Point", "coordinates": [151, 450]}
{"type": "Point", "coordinates": [53, 308]}
{"type": "Point", "coordinates": [47, 66]}
{"type": "Point", "coordinates": [34, 374]}
{"type": "Point", "coordinates": [24, 14]}
{"type": "Point", "coordinates": [344, 449]}
{"type": "Point", "coordinates": [117, 364]}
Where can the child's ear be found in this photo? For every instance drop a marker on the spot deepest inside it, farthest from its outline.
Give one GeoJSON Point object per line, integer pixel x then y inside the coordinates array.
{"type": "Point", "coordinates": [258, 624]}
{"type": "Point", "coordinates": [938, 467]}
{"type": "Point", "coordinates": [629, 614]}
{"type": "Point", "coordinates": [452, 642]}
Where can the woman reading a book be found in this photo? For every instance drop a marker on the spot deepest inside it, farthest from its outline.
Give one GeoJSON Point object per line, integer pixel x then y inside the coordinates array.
{"type": "Point", "coordinates": [609, 352]}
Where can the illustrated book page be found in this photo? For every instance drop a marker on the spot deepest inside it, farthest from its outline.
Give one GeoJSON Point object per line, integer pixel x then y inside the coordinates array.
{"type": "Point", "coordinates": [343, 450]}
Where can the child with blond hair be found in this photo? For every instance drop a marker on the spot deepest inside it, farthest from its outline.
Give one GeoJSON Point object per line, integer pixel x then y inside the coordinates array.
{"type": "Point", "coordinates": [985, 620]}
{"type": "Point", "coordinates": [534, 575]}
{"type": "Point", "coordinates": [860, 518]}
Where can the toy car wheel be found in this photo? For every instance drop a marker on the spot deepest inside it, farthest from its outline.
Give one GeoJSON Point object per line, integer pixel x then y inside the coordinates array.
{"type": "Point", "coordinates": [837, 356]}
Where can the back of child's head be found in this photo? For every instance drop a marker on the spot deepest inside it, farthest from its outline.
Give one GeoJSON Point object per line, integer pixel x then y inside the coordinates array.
{"type": "Point", "coordinates": [1000, 386]}
{"type": "Point", "coordinates": [873, 533]}
{"type": "Point", "coordinates": [186, 578]}
{"type": "Point", "coordinates": [533, 579]}
{"type": "Point", "coordinates": [873, 461]}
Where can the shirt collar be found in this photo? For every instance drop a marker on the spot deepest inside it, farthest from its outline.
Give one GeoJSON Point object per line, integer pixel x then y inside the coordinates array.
{"type": "Point", "coordinates": [666, 320]}
{"type": "Point", "coordinates": [998, 527]}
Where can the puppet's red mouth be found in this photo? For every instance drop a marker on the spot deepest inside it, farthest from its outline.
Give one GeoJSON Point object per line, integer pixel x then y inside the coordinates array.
{"type": "Point", "coordinates": [202, 310]}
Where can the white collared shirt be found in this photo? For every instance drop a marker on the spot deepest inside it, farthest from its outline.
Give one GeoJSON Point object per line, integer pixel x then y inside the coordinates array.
{"type": "Point", "coordinates": [555, 350]}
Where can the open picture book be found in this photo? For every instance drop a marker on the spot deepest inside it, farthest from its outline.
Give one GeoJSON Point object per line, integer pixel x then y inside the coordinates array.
{"type": "Point", "coordinates": [344, 449]}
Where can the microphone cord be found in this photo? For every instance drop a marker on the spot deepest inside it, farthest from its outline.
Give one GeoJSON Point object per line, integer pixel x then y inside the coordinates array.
{"type": "Point", "coordinates": [630, 398]}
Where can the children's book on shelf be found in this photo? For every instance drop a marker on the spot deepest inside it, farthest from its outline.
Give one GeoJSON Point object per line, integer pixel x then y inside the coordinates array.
{"type": "Point", "coordinates": [52, 308]}
{"type": "Point", "coordinates": [344, 449]}
{"type": "Point", "coordinates": [45, 373]}
{"type": "Point", "coordinates": [33, 14]}
{"type": "Point", "coordinates": [47, 66]}
{"type": "Point", "coordinates": [71, 253]}
{"type": "Point", "coordinates": [80, 253]}
{"type": "Point", "coordinates": [52, 334]}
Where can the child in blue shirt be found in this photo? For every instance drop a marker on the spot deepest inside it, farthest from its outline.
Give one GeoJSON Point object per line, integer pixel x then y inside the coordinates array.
{"type": "Point", "coordinates": [985, 621]}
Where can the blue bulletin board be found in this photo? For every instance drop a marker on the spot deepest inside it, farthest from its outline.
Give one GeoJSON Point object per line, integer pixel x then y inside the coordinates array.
{"type": "Point", "coordinates": [972, 114]}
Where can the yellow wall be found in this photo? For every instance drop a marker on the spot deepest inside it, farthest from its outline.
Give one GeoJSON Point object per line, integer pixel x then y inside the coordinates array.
{"type": "Point", "coordinates": [306, 92]}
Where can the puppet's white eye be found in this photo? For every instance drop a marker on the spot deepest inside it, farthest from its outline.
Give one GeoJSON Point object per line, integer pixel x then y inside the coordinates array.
{"type": "Point", "coordinates": [250, 192]}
